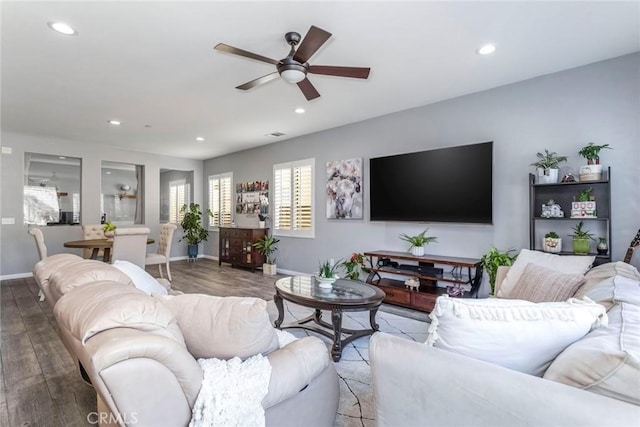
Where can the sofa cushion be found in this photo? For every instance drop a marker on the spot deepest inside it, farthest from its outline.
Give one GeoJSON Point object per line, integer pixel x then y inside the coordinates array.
{"type": "Point", "coordinates": [600, 290]}
{"type": "Point", "coordinates": [516, 334]}
{"type": "Point", "coordinates": [223, 327]}
{"type": "Point", "coordinates": [95, 307]}
{"type": "Point", "coordinates": [606, 361]}
{"type": "Point", "coordinates": [541, 284]}
{"type": "Point", "coordinates": [140, 278]}
{"type": "Point", "coordinates": [82, 272]}
{"type": "Point", "coordinates": [570, 264]}
{"type": "Point", "coordinates": [45, 268]}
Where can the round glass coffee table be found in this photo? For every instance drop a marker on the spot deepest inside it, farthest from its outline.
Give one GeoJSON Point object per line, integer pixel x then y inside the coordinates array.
{"type": "Point", "coordinates": [344, 295]}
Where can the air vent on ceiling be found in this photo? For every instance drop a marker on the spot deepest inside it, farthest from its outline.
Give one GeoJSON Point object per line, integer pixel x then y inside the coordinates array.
{"type": "Point", "coordinates": [275, 134]}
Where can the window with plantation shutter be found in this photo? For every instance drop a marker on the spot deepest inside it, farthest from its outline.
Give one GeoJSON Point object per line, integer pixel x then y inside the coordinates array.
{"type": "Point", "coordinates": [293, 199]}
{"type": "Point", "coordinates": [179, 195]}
{"type": "Point", "coordinates": [220, 199]}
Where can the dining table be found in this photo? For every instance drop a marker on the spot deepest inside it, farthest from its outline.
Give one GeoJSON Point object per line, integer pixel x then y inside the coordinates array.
{"type": "Point", "coordinates": [95, 245]}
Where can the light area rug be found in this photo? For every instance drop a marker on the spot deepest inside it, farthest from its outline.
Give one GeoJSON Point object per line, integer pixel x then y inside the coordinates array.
{"type": "Point", "coordinates": [357, 404]}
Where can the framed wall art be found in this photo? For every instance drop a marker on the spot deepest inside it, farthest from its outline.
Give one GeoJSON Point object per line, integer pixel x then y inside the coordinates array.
{"type": "Point", "coordinates": [252, 197]}
{"type": "Point", "coordinates": [344, 189]}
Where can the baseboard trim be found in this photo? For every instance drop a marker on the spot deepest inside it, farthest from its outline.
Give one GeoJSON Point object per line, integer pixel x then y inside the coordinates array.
{"type": "Point", "coordinates": [16, 276]}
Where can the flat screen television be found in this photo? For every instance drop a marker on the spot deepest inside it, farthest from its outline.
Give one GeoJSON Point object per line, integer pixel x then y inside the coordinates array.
{"type": "Point", "coordinates": [452, 184]}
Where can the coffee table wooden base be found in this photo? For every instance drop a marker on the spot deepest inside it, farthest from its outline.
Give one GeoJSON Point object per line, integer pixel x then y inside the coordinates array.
{"type": "Point", "coordinates": [334, 331]}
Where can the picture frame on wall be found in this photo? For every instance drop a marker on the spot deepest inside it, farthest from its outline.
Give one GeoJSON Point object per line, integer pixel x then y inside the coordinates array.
{"type": "Point", "coordinates": [344, 189]}
{"type": "Point", "coordinates": [252, 197]}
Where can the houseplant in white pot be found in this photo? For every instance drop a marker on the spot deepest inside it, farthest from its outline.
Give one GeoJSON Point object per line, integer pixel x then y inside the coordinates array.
{"type": "Point", "coordinates": [418, 241]}
{"type": "Point", "coordinates": [552, 243]}
{"type": "Point", "coordinates": [547, 167]}
{"type": "Point", "coordinates": [267, 247]}
{"type": "Point", "coordinates": [592, 171]}
{"type": "Point", "coordinates": [327, 273]}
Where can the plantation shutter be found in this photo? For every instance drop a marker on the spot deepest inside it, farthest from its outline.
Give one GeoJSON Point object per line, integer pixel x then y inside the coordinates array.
{"type": "Point", "coordinates": [178, 197]}
{"type": "Point", "coordinates": [293, 199]}
{"type": "Point", "coordinates": [220, 199]}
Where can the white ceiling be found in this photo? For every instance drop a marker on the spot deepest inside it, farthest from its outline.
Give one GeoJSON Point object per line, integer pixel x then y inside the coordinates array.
{"type": "Point", "coordinates": [153, 64]}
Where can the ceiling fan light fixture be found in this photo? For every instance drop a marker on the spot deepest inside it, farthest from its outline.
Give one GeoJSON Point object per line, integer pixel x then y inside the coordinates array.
{"type": "Point", "coordinates": [292, 75]}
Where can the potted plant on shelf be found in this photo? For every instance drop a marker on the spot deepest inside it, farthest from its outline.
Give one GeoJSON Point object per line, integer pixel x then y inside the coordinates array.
{"type": "Point", "coordinates": [262, 220]}
{"type": "Point", "coordinates": [354, 266]}
{"type": "Point", "coordinates": [581, 239]}
{"type": "Point", "coordinates": [547, 167]}
{"type": "Point", "coordinates": [552, 243]}
{"type": "Point", "coordinates": [494, 259]}
{"type": "Point", "coordinates": [267, 247]}
{"type": "Point", "coordinates": [194, 232]}
{"type": "Point", "coordinates": [593, 169]}
{"type": "Point", "coordinates": [327, 273]}
{"type": "Point", "coordinates": [418, 241]}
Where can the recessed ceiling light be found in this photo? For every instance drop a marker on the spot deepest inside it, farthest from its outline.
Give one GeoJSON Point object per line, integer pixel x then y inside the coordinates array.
{"type": "Point", "coordinates": [108, 172]}
{"type": "Point", "coordinates": [62, 28]}
{"type": "Point", "coordinates": [486, 49]}
{"type": "Point", "coordinates": [61, 157]}
{"type": "Point", "coordinates": [114, 122]}
{"type": "Point", "coordinates": [199, 139]}
{"type": "Point", "coordinates": [299, 110]}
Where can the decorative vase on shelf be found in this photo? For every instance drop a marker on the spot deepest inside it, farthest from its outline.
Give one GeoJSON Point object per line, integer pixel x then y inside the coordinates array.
{"type": "Point", "coordinates": [417, 250]}
{"type": "Point", "coordinates": [602, 247]}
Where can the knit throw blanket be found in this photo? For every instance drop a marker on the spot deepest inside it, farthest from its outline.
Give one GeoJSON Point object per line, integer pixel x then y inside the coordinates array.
{"type": "Point", "coordinates": [232, 390]}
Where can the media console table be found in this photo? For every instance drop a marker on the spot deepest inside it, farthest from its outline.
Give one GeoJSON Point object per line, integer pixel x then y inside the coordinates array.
{"type": "Point", "coordinates": [464, 271]}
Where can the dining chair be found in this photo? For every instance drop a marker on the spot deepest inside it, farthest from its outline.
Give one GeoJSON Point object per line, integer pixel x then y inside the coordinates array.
{"type": "Point", "coordinates": [164, 249]}
{"type": "Point", "coordinates": [130, 244]}
{"type": "Point", "coordinates": [90, 232]}
{"type": "Point", "coordinates": [42, 253]}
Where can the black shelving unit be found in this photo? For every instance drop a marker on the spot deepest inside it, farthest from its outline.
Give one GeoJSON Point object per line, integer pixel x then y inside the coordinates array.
{"type": "Point", "coordinates": [563, 193]}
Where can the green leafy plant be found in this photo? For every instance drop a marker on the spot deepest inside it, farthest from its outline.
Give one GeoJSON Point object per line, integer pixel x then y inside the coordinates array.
{"type": "Point", "coordinates": [551, 235]}
{"type": "Point", "coordinates": [548, 160]}
{"type": "Point", "coordinates": [191, 223]}
{"type": "Point", "coordinates": [583, 196]}
{"type": "Point", "coordinates": [579, 233]}
{"type": "Point", "coordinates": [591, 152]}
{"type": "Point", "coordinates": [354, 266]}
{"type": "Point", "coordinates": [419, 239]}
{"type": "Point", "coordinates": [108, 226]}
{"type": "Point", "coordinates": [267, 247]}
{"type": "Point", "coordinates": [328, 270]}
{"type": "Point", "coordinates": [494, 259]}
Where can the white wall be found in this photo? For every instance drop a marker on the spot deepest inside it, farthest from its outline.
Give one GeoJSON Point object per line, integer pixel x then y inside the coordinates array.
{"type": "Point", "coordinates": [17, 249]}
{"type": "Point", "coordinates": [561, 112]}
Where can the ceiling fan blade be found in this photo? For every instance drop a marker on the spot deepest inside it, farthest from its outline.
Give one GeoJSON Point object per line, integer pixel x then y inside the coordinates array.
{"type": "Point", "coordinates": [259, 81]}
{"type": "Point", "coordinates": [308, 90]}
{"type": "Point", "coordinates": [329, 70]}
{"type": "Point", "coordinates": [315, 38]}
{"type": "Point", "coordinates": [230, 49]}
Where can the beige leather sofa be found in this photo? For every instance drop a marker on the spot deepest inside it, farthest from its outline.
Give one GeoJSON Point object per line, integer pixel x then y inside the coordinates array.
{"type": "Point", "coordinates": [138, 350]}
{"type": "Point", "coordinates": [415, 384]}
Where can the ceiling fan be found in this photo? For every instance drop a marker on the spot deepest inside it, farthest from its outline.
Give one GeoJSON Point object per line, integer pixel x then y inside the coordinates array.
{"type": "Point", "coordinates": [294, 67]}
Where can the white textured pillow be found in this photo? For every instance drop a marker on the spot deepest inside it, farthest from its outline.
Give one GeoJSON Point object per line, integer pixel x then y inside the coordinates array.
{"type": "Point", "coordinates": [516, 334]}
{"type": "Point", "coordinates": [140, 278]}
{"type": "Point", "coordinates": [540, 284]}
{"type": "Point", "coordinates": [570, 264]}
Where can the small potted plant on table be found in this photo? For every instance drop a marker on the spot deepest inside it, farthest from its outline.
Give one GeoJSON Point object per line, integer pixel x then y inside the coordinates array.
{"type": "Point", "coordinates": [108, 229]}
{"type": "Point", "coordinates": [327, 273]}
{"type": "Point", "coordinates": [418, 241]}
{"type": "Point", "coordinates": [547, 167]}
{"type": "Point", "coordinates": [267, 247]}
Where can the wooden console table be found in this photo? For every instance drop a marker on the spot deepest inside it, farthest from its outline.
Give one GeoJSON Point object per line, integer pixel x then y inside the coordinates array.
{"type": "Point", "coordinates": [236, 246]}
{"type": "Point", "coordinates": [425, 297]}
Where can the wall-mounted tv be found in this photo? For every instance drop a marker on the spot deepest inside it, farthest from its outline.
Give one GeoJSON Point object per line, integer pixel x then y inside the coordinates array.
{"type": "Point", "coordinates": [452, 184]}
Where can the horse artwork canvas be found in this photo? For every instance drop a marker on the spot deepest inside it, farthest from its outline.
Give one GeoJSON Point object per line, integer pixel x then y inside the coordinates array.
{"type": "Point", "coordinates": [344, 189]}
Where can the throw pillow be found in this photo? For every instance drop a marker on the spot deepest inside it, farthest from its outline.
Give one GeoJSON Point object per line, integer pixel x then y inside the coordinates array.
{"type": "Point", "coordinates": [223, 327]}
{"type": "Point", "coordinates": [140, 278]}
{"type": "Point", "coordinates": [516, 334]}
{"type": "Point", "coordinates": [540, 284]}
{"type": "Point", "coordinates": [607, 361]}
{"type": "Point", "coordinates": [570, 264]}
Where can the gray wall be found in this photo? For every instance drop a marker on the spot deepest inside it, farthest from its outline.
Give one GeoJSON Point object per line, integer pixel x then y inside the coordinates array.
{"type": "Point", "coordinates": [17, 249]}
{"type": "Point", "coordinates": [561, 112]}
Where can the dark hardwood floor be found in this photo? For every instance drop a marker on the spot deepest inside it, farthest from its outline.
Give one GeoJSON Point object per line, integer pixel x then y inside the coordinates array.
{"type": "Point", "coordinates": [39, 382]}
